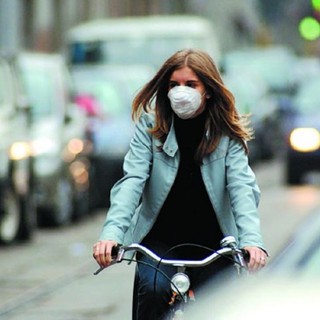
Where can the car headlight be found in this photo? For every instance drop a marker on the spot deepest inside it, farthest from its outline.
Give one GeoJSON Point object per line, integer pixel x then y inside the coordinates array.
{"type": "Point", "coordinates": [305, 139]}
{"type": "Point", "coordinates": [80, 172]}
{"type": "Point", "coordinates": [19, 150]}
{"type": "Point", "coordinates": [74, 147]}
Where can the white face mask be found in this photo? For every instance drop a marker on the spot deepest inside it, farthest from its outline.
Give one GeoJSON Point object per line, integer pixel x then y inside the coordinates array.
{"type": "Point", "coordinates": [185, 101]}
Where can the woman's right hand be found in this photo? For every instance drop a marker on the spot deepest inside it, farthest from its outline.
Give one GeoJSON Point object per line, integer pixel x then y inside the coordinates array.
{"type": "Point", "coordinates": [102, 252]}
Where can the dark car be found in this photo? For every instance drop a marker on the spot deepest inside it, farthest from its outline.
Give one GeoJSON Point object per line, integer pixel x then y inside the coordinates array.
{"type": "Point", "coordinates": [17, 214]}
{"type": "Point", "coordinates": [106, 93]}
{"type": "Point", "coordinates": [302, 129]}
{"type": "Point", "coordinates": [58, 139]}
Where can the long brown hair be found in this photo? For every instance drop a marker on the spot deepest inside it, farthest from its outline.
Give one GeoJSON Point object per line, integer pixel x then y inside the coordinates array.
{"type": "Point", "coordinates": [221, 114]}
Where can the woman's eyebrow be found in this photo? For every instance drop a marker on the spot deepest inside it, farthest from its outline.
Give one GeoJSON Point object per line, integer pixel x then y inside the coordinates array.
{"type": "Point", "coordinates": [192, 81]}
{"type": "Point", "coordinates": [188, 81]}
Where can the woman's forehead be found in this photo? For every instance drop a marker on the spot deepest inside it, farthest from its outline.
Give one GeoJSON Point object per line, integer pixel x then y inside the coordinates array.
{"type": "Point", "coordinates": [184, 73]}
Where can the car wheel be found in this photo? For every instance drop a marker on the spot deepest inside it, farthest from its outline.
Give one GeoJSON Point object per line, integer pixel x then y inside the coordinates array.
{"type": "Point", "coordinates": [294, 173]}
{"type": "Point", "coordinates": [10, 218]}
{"type": "Point", "coordinates": [28, 218]}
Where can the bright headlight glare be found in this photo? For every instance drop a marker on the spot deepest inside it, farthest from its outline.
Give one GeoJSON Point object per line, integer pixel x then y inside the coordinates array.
{"type": "Point", "coordinates": [305, 139]}
{"type": "Point", "coordinates": [19, 151]}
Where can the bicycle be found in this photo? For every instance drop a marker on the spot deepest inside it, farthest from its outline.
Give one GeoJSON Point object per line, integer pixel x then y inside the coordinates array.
{"type": "Point", "coordinates": [182, 293]}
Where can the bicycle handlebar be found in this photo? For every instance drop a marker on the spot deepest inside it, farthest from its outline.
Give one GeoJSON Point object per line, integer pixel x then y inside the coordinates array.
{"type": "Point", "coordinates": [227, 251]}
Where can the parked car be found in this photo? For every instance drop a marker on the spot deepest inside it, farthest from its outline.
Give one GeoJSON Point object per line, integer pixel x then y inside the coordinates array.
{"type": "Point", "coordinates": [17, 214]}
{"type": "Point", "coordinates": [106, 93]}
{"type": "Point", "coordinates": [58, 139]}
{"type": "Point", "coordinates": [302, 129]}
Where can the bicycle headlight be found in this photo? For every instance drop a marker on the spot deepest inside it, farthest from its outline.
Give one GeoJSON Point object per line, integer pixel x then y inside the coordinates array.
{"type": "Point", "coordinates": [305, 139]}
{"type": "Point", "coordinates": [180, 283]}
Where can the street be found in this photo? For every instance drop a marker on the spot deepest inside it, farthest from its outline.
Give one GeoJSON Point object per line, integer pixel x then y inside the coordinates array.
{"type": "Point", "coordinates": [52, 277]}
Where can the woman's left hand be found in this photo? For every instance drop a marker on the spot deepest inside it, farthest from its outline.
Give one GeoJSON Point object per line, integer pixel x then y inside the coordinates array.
{"type": "Point", "coordinates": [258, 258]}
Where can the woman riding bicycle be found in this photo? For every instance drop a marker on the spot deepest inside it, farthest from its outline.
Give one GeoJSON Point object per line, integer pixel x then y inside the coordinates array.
{"type": "Point", "coordinates": [186, 178]}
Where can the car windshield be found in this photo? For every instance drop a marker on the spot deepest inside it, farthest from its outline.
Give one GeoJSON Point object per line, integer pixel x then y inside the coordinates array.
{"type": "Point", "coordinates": [115, 51]}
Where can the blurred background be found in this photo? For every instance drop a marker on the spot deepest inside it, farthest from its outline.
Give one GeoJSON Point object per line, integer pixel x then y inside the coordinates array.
{"type": "Point", "coordinates": [69, 70]}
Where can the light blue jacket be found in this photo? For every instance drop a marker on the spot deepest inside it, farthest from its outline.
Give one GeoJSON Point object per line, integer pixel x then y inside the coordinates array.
{"type": "Point", "coordinates": [137, 198]}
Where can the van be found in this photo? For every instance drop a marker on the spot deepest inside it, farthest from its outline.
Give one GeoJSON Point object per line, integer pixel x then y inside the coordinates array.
{"type": "Point", "coordinates": [139, 40]}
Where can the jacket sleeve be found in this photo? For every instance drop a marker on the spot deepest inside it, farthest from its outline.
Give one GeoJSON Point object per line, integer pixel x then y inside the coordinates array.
{"type": "Point", "coordinates": [126, 194]}
{"type": "Point", "coordinates": [244, 196]}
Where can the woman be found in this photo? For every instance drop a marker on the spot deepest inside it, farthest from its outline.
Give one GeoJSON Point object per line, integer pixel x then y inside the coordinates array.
{"type": "Point", "coordinates": [186, 177]}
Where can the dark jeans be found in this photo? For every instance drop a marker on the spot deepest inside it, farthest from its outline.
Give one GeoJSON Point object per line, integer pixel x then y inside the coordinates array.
{"type": "Point", "coordinates": [152, 291]}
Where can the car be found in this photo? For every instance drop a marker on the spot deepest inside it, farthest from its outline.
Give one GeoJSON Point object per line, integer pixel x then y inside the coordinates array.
{"type": "Point", "coordinates": [252, 98]}
{"type": "Point", "coordinates": [139, 40]}
{"type": "Point", "coordinates": [106, 93]}
{"type": "Point", "coordinates": [274, 63]}
{"type": "Point", "coordinates": [17, 213]}
{"type": "Point", "coordinates": [58, 141]}
{"type": "Point", "coordinates": [302, 132]}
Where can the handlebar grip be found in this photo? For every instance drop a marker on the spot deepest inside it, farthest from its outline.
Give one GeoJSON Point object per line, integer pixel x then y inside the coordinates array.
{"type": "Point", "coordinates": [115, 251]}
{"type": "Point", "coordinates": [246, 255]}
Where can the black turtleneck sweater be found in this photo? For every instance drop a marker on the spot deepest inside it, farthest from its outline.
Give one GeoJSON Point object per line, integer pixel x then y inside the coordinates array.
{"type": "Point", "coordinates": [187, 216]}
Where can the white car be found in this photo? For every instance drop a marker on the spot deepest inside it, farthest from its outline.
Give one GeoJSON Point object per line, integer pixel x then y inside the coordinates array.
{"type": "Point", "coordinates": [58, 139]}
{"type": "Point", "coordinates": [17, 214]}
